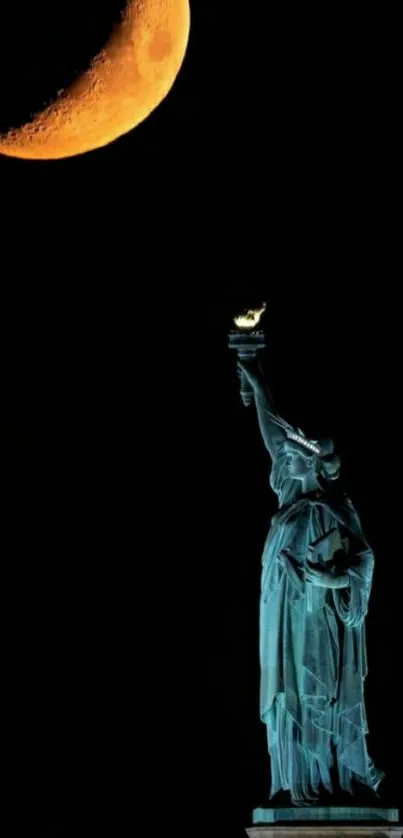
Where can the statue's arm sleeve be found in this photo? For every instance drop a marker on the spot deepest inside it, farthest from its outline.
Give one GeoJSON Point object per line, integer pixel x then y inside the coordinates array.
{"type": "Point", "coordinates": [272, 433]}
{"type": "Point", "coordinates": [352, 602]}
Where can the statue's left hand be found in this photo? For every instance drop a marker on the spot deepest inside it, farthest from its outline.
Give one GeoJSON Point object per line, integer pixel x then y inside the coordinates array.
{"type": "Point", "coordinates": [323, 578]}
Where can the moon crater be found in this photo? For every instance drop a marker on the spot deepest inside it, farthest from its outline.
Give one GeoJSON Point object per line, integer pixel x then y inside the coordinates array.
{"type": "Point", "coordinates": [160, 47]}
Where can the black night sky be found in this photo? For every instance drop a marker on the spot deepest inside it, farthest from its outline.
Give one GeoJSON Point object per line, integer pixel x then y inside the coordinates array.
{"type": "Point", "coordinates": [135, 485]}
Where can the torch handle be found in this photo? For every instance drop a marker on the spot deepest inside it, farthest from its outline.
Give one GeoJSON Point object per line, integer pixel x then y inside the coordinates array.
{"type": "Point", "coordinates": [246, 346]}
{"type": "Point", "coordinates": [245, 389]}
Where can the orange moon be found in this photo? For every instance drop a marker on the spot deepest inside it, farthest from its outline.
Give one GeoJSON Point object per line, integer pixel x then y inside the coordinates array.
{"type": "Point", "coordinates": [125, 82]}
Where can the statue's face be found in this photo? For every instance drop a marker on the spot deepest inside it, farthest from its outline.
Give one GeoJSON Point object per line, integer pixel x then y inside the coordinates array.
{"type": "Point", "coordinates": [299, 466]}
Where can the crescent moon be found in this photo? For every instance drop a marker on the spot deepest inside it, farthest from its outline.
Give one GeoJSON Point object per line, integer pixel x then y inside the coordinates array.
{"type": "Point", "coordinates": [125, 82]}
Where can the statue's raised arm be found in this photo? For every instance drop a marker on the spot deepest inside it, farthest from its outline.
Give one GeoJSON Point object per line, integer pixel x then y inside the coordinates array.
{"type": "Point", "coordinates": [272, 428]}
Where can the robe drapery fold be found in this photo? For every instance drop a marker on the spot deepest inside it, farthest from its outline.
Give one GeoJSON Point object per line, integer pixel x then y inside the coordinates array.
{"type": "Point", "coordinates": [312, 647]}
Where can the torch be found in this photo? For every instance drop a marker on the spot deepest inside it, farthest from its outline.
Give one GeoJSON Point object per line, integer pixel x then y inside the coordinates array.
{"type": "Point", "coordinates": [247, 340]}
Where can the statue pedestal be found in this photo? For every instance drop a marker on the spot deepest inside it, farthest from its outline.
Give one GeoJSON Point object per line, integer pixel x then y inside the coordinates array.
{"type": "Point", "coordinates": [325, 822]}
{"type": "Point", "coordinates": [334, 831]}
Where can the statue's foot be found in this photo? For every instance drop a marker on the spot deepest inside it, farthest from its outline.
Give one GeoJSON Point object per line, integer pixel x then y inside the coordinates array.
{"type": "Point", "coordinates": [300, 803]}
{"type": "Point", "coordinates": [305, 800]}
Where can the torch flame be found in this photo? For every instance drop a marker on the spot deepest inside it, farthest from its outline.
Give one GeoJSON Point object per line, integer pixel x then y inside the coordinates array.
{"type": "Point", "coordinates": [250, 318]}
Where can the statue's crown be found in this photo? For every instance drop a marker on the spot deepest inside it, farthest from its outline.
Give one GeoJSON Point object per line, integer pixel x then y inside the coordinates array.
{"type": "Point", "coordinates": [299, 436]}
{"type": "Point", "coordinates": [310, 444]}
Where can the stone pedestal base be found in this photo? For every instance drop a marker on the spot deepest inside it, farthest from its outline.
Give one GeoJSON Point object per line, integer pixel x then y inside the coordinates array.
{"type": "Point", "coordinates": [310, 830]}
{"type": "Point", "coordinates": [325, 822]}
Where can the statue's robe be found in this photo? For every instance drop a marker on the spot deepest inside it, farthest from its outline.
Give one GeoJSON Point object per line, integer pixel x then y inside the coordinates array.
{"type": "Point", "coordinates": [312, 647]}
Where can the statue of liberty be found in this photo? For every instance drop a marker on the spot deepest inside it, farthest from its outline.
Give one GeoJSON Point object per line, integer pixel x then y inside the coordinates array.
{"type": "Point", "coordinates": [317, 571]}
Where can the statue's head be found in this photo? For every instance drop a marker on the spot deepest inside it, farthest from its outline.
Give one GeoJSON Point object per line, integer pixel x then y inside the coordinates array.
{"type": "Point", "coordinates": [311, 458]}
